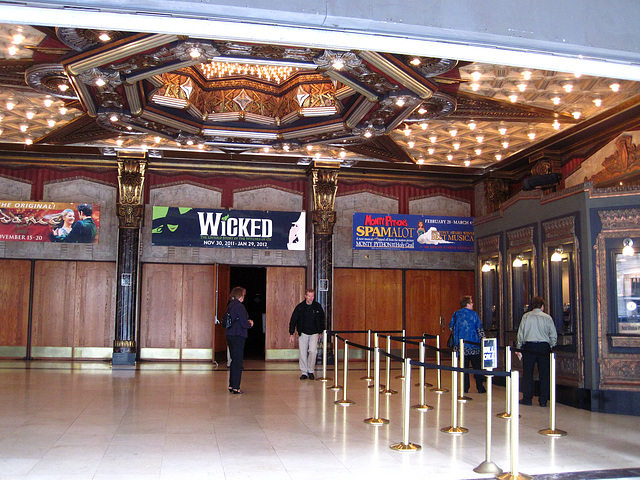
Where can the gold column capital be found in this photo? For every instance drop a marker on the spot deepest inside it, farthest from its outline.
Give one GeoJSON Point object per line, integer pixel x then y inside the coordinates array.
{"type": "Point", "coordinates": [132, 167]}
{"type": "Point", "coordinates": [325, 187]}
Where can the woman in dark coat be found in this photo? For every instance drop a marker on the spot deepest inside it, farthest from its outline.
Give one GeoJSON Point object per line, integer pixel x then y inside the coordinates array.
{"type": "Point", "coordinates": [237, 336]}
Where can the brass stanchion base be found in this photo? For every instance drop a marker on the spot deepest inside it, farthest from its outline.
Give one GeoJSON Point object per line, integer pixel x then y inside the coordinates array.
{"type": "Point", "coordinates": [405, 447]}
{"type": "Point", "coordinates": [552, 433]}
{"type": "Point", "coordinates": [368, 379]}
{"type": "Point", "coordinates": [323, 379]}
{"type": "Point", "coordinates": [400, 377]}
{"type": "Point", "coordinates": [426, 385]}
{"type": "Point", "coordinates": [511, 476]}
{"type": "Point", "coordinates": [334, 387]}
{"type": "Point", "coordinates": [388, 391]}
{"type": "Point", "coordinates": [439, 391]}
{"type": "Point", "coordinates": [454, 430]}
{"type": "Point", "coordinates": [376, 421]}
{"type": "Point", "coordinates": [464, 399]}
{"type": "Point", "coordinates": [423, 407]}
{"type": "Point", "coordinates": [488, 467]}
{"type": "Point", "coordinates": [373, 386]}
{"type": "Point", "coordinates": [344, 403]}
{"type": "Point", "coordinates": [505, 415]}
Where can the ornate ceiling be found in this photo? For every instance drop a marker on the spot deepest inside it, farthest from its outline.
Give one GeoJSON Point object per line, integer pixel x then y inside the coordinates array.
{"type": "Point", "coordinates": [110, 89]}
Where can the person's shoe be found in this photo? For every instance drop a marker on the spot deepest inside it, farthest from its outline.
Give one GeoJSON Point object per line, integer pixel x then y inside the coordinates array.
{"type": "Point", "coordinates": [237, 391]}
{"type": "Point", "coordinates": [482, 390]}
{"type": "Point", "coordinates": [230, 389]}
{"type": "Point", "coordinates": [525, 402]}
{"type": "Point", "coordinates": [303, 377]}
{"type": "Point", "coordinates": [466, 391]}
{"type": "Point", "coordinates": [543, 404]}
{"type": "Point", "coordinates": [312, 376]}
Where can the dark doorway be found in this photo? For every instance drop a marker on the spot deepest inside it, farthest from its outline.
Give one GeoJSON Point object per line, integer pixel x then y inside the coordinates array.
{"type": "Point", "coordinates": [254, 279]}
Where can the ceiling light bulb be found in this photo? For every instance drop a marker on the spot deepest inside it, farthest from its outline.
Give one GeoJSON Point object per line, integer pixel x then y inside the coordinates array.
{"type": "Point", "coordinates": [431, 150]}
{"type": "Point", "coordinates": [505, 144]}
{"type": "Point", "coordinates": [615, 87]}
{"type": "Point", "coordinates": [478, 151]}
{"type": "Point", "coordinates": [30, 114]}
{"type": "Point", "coordinates": [449, 157]}
{"type": "Point", "coordinates": [411, 144]}
{"type": "Point", "coordinates": [479, 138]}
{"type": "Point", "coordinates": [367, 134]}
{"type": "Point", "coordinates": [498, 157]}
{"type": "Point", "coordinates": [10, 105]}
{"type": "Point", "coordinates": [407, 131]}
{"type": "Point", "coordinates": [522, 87]}
{"type": "Point", "coordinates": [598, 102]}
{"type": "Point", "coordinates": [265, 149]}
{"type": "Point", "coordinates": [143, 146]}
{"type": "Point", "coordinates": [424, 126]}
{"type": "Point", "coordinates": [309, 148]}
{"type": "Point", "coordinates": [502, 130]}
{"type": "Point", "coordinates": [475, 87]}
{"type": "Point", "coordinates": [48, 102]}
{"type": "Point", "coordinates": [129, 127]}
{"type": "Point", "coordinates": [195, 53]}
{"type": "Point", "coordinates": [556, 125]}
{"type": "Point", "coordinates": [113, 118]}
{"type": "Point", "coordinates": [189, 142]}
{"type": "Point", "coordinates": [476, 76]}
{"type": "Point", "coordinates": [63, 110]}
{"type": "Point", "coordinates": [317, 154]}
{"type": "Point", "coordinates": [51, 122]}
{"type": "Point", "coordinates": [415, 61]}
{"type": "Point", "coordinates": [338, 64]}
{"type": "Point", "coordinates": [487, 266]}
{"type": "Point", "coordinates": [467, 163]}
{"type": "Point", "coordinates": [517, 262]}
{"type": "Point", "coordinates": [400, 102]}
{"type": "Point", "coordinates": [557, 254]}
{"type": "Point", "coordinates": [433, 139]}
{"type": "Point", "coordinates": [343, 154]}
{"type": "Point", "coordinates": [568, 87]}
{"type": "Point", "coordinates": [201, 146]}
{"type": "Point", "coordinates": [456, 146]}
{"type": "Point", "coordinates": [513, 98]}
{"type": "Point", "coordinates": [628, 251]}
{"type": "Point", "coordinates": [285, 148]}
{"type": "Point", "coordinates": [556, 100]}
{"type": "Point", "coordinates": [420, 161]}
{"type": "Point", "coordinates": [104, 37]}
{"type": "Point", "coordinates": [526, 75]}
{"type": "Point", "coordinates": [18, 38]}
{"type": "Point", "coordinates": [119, 142]}
{"type": "Point", "coordinates": [453, 133]}
{"type": "Point", "coordinates": [422, 110]}
{"type": "Point", "coordinates": [531, 135]}
{"type": "Point", "coordinates": [23, 128]}
{"type": "Point", "coordinates": [576, 115]}
{"type": "Point", "coordinates": [472, 125]}
{"type": "Point", "coordinates": [100, 82]}
{"type": "Point", "coordinates": [63, 87]}
{"type": "Point", "coordinates": [577, 75]}
{"type": "Point", "coordinates": [28, 141]}
{"type": "Point", "coordinates": [12, 50]}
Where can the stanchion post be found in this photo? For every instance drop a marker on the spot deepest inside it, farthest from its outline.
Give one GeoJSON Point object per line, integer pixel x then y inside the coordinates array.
{"type": "Point", "coordinates": [345, 402]}
{"type": "Point", "coordinates": [388, 390]}
{"type": "Point", "coordinates": [454, 429]}
{"type": "Point", "coordinates": [487, 466]}
{"type": "Point", "coordinates": [438, 388]}
{"type": "Point", "coordinates": [515, 432]}
{"type": "Point", "coordinates": [406, 445]}
{"type": "Point", "coordinates": [404, 352]}
{"type": "Point", "coordinates": [376, 420]}
{"type": "Point", "coordinates": [335, 385]}
{"type": "Point", "coordinates": [422, 406]}
{"type": "Point", "coordinates": [507, 368]}
{"type": "Point", "coordinates": [462, 398]}
{"type": "Point", "coordinates": [324, 358]}
{"type": "Point", "coordinates": [368, 378]}
{"type": "Point", "coordinates": [552, 431]}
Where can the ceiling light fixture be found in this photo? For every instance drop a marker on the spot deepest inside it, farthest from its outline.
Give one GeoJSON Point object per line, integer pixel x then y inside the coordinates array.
{"type": "Point", "coordinates": [486, 267]}
{"type": "Point", "coordinates": [518, 261]}
{"type": "Point", "coordinates": [479, 139]}
{"type": "Point", "coordinates": [12, 50]}
{"type": "Point", "coordinates": [18, 38]}
{"type": "Point", "coordinates": [456, 146]}
{"type": "Point", "coordinates": [450, 157]}
{"type": "Point", "coordinates": [422, 110]}
{"type": "Point", "coordinates": [513, 98]}
{"type": "Point", "coordinates": [568, 87]}
{"type": "Point", "coordinates": [478, 151]}
{"type": "Point", "coordinates": [556, 125]}
{"type": "Point", "coordinates": [48, 102]}
{"type": "Point", "coordinates": [505, 144]}
{"type": "Point", "coordinates": [407, 131]}
{"type": "Point", "coordinates": [104, 37]}
{"type": "Point", "coordinates": [424, 126]}
{"type": "Point", "coordinates": [526, 75]}
{"type": "Point", "coordinates": [400, 102]}
{"type": "Point", "coordinates": [431, 150]}
{"type": "Point", "coordinates": [157, 139]}
{"type": "Point", "coordinates": [63, 87]}
{"type": "Point", "coordinates": [411, 144]}
{"type": "Point", "coordinates": [100, 82]}
{"type": "Point", "coordinates": [433, 139]}
{"type": "Point", "coordinates": [30, 114]}
{"type": "Point", "coordinates": [343, 154]}
{"type": "Point", "coordinates": [51, 122]}
{"type": "Point", "coordinates": [597, 102]}
{"type": "Point", "coordinates": [531, 135]}
{"type": "Point", "coordinates": [119, 142]}
{"type": "Point", "coordinates": [576, 115]}
{"type": "Point", "coordinates": [472, 125]}
{"type": "Point", "coordinates": [467, 163]}
{"type": "Point", "coordinates": [498, 157]}
{"type": "Point", "coordinates": [502, 130]}
{"type": "Point", "coordinates": [113, 118]}
{"type": "Point", "coordinates": [63, 110]}
{"type": "Point", "coordinates": [615, 87]}
{"type": "Point", "coordinates": [453, 133]}
{"type": "Point", "coordinates": [475, 87]}
{"type": "Point", "coordinates": [23, 128]}
{"type": "Point", "coordinates": [627, 249]}
{"type": "Point", "coordinates": [557, 254]}
{"type": "Point", "coordinates": [28, 141]}
{"type": "Point", "coordinates": [556, 100]}
{"type": "Point", "coordinates": [415, 61]}
{"type": "Point", "coordinates": [522, 87]}
{"type": "Point", "coordinates": [476, 76]}
{"type": "Point", "coordinates": [10, 105]}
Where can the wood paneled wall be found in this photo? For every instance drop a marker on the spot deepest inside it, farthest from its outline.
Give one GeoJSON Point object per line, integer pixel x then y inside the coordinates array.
{"type": "Point", "coordinates": [224, 288]}
{"type": "Point", "coordinates": [285, 289]}
{"type": "Point", "coordinates": [177, 306]}
{"type": "Point", "coordinates": [14, 307]}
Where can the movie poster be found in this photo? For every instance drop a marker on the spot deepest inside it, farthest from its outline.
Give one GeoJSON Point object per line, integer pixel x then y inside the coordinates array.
{"type": "Point", "coordinates": [26, 221]}
{"type": "Point", "coordinates": [215, 228]}
{"type": "Point", "coordinates": [382, 231]}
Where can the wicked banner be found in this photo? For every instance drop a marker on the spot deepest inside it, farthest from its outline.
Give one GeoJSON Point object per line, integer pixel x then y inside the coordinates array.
{"type": "Point", "coordinates": [381, 231]}
{"type": "Point", "coordinates": [205, 227]}
{"type": "Point", "coordinates": [27, 221]}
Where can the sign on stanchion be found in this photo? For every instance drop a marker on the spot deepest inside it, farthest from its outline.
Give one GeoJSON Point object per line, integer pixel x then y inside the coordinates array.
{"type": "Point", "coordinates": [489, 362]}
{"type": "Point", "coordinates": [438, 388]}
{"type": "Point", "coordinates": [454, 429]}
{"type": "Point", "coordinates": [406, 445]}
{"type": "Point", "coordinates": [552, 431]}
{"type": "Point", "coordinates": [376, 420]}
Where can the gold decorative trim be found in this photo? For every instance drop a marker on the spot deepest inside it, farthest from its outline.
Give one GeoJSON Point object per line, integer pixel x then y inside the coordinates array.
{"type": "Point", "coordinates": [620, 219]}
{"type": "Point", "coordinates": [489, 245]}
{"type": "Point", "coordinates": [522, 236]}
{"type": "Point", "coordinates": [325, 186]}
{"type": "Point", "coordinates": [124, 344]}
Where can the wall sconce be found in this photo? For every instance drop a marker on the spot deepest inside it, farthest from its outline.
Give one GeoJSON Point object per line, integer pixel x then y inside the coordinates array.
{"type": "Point", "coordinates": [487, 266]}
{"type": "Point", "coordinates": [627, 250]}
{"type": "Point", "coordinates": [557, 255]}
{"type": "Point", "coordinates": [517, 263]}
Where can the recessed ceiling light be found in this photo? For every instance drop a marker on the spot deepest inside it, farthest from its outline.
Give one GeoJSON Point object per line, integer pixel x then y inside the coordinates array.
{"type": "Point", "coordinates": [449, 157]}
{"type": "Point", "coordinates": [12, 50]}
{"type": "Point", "coordinates": [531, 135]}
{"type": "Point", "coordinates": [502, 130]}
{"type": "Point", "coordinates": [63, 110]}
{"type": "Point", "coordinates": [48, 102]}
{"type": "Point", "coordinates": [598, 102]}
{"type": "Point", "coordinates": [18, 38]}
{"type": "Point", "coordinates": [478, 151]}
{"type": "Point", "coordinates": [415, 61]}
{"type": "Point", "coordinates": [526, 75]}
{"type": "Point", "coordinates": [498, 157]}
{"type": "Point", "coordinates": [23, 128]}
{"type": "Point", "coordinates": [505, 144]}
{"type": "Point", "coordinates": [453, 133]}
{"type": "Point", "coordinates": [522, 87]}
{"type": "Point", "coordinates": [615, 87]}
{"type": "Point", "coordinates": [30, 114]}
{"type": "Point", "coordinates": [28, 141]}
{"type": "Point", "coordinates": [424, 126]}
{"type": "Point", "coordinates": [51, 122]}
{"type": "Point", "coordinates": [576, 115]}
{"type": "Point", "coordinates": [472, 125]}
{"type": "Point", "coordinates": [556, 100]}
{"type": "Point", "coordinates": [433, 139]}
{"type": "Point", "coordinates": [100, 82]}
{"type": "Point", "coordinates": [431, 150]}
{"type": "Point", "coordinates": [467, 163]}
{"type": "Point", "coordinates": [513, 98]}
{"type": "Point", "coordinates": [479, 138]}
{"type": "Point", "coordinates": [104, 37]}
{"type": "Point", "coordinates": [476, 76]}
{"type": "Point", "coordinates": [10, 105]}
{"type": "Point", "coordinates": [475, 87]}
{"type": "Point", "coordinates": [568, 87]}
{"type": "Point", "coordinates": [456, 146]}
{"type": "Point", "coordinates": [411, 144]}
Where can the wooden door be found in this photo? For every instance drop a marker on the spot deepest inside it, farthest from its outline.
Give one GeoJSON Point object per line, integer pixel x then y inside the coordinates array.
{"type": "Point", "coordinates": [14, 307]}
{"type": "Point", "coordinates": [94, 324]}
{"type": "Point", "coordinates": [285, 289]}
{"type": "Point", "coordinates": [423, 303]}
{"type": "Point", "coordinates": [453, 285]}
{"type": "Point", "coordinates": [223, 290]}
{"type": "Point", "coordinates": [383, 296]}
{"type": "Point", "coordinates": [349, 302]}
{"type": "Point", "coordinates": [198, 306]}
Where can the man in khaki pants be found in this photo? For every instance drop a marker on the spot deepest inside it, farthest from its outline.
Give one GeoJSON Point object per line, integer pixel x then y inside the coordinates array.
{"type": "Point", "coordinates": [308, 319]}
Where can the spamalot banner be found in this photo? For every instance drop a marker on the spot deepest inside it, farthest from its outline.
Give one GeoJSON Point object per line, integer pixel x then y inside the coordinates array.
{"type": "Point", "coordinates": [27, 221]}
{"type": "Point", "coordinates": [206, 227]}
{"type": "Point", "coordinates": [383, 231]}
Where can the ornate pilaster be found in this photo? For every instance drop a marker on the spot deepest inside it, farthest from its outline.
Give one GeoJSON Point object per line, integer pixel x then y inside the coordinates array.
{"type": "Point", "coordinates": [325, 186]}
{"type": "Point", "coordinates": [131, 174]}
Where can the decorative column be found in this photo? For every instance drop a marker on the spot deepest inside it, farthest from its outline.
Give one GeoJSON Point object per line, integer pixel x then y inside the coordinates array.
{"type": "Point", "coordinates": [131, 172]}
{"type": "Point", "coordinates": [325, 186]}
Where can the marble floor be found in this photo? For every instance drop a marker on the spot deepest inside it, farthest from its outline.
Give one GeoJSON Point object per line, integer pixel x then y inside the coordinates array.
{"type": "Point", "coordinates": [170, 421]}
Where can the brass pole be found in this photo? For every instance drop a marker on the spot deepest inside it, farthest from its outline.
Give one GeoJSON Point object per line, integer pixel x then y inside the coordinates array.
{"type": "Point", "coordinates": [552, 431]}
{"type": "Point", "coordinates": [487, 466]}
{"type": "Point", "coordinates": [388, 390]}
{"type": "Point", "coordinates": [462, 398]}
{"type": "Point", "coordinates": [335, 385]}
{"type": "Point", "coordinates": [438, 389]}
{"type": "Point", "coordinates": [454, 429]}
{"type": "Point", "coordinates": [507, 367]}
{"type": "Point", "coordinates": [422, 406]}
{"type": "Point", "coordinates": [368, 378]}
{"type": "Point", "coordinates": [515, 432]}
{"type": "Point", "coordinates": [376, 420]}
{"type": "Point", "coordinates": [324, 357]}
{"type": "Point", "coordinates": [404, 352]}
{"type": "Point", "coordinates": [375, 345]}
{"type": "Point", "coordinates": [405, 445]}
{"type": "Point", "coordinates": [345, 402]}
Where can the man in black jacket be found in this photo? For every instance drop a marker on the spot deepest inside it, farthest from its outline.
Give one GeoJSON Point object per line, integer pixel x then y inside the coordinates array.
{"type": "Point", "coordinates": [308, 319]}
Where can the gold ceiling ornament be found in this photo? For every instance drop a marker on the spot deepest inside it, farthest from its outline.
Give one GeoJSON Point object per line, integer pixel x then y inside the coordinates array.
{"type": "Point", "coordinates": [268, 73]}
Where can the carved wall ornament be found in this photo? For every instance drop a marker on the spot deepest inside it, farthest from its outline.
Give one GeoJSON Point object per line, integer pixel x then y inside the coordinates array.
{"type": "Point", "coordinates": [489, 245]}
{"type": "Point", "coordinates": [560, 228]}
{"type": "Point", "coordinates": [330, 60]}
{"type": "Point", "coordinates": [130, 216]}
{"type": "Point", "coordinates": [325, 187]}
{"type": "Point", "coordinates": [625, 160]}
{"type": "Point", "coordinates": [131, 176]}
{"type": "Point", "coordinates": [94, 75]}
{"type": "Point", "coordinates": [520, 237]}
{"type": "Point", "coordinates": [48, 79]}
{"type": "Point", "coordinates": [628, 218]}
{"type": "Point", "coordinates": [440, 104]}
{"type": "Point", "coordinates": [496, 191]}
